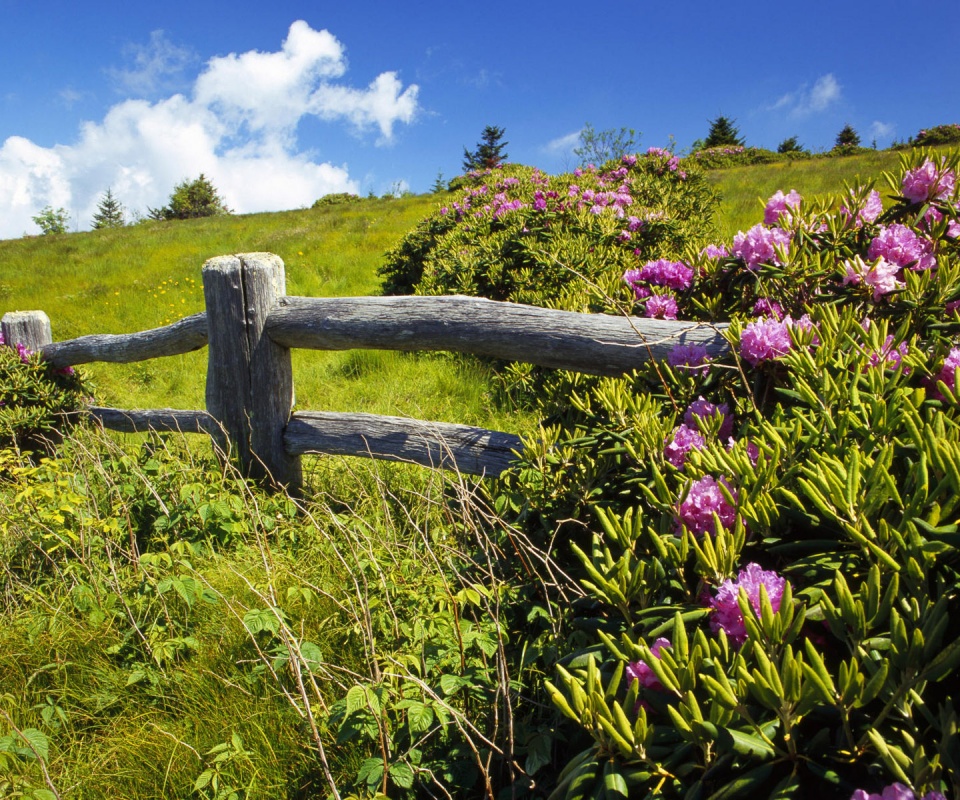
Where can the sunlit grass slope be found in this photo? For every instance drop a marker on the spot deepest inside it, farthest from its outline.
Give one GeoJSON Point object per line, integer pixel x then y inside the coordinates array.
{"type": "Point", "coordinates": [129, 279]}
{"type": "Point", "coordinates": [745, 189]}
{"type": "Point", "coordinates": [124, 280]}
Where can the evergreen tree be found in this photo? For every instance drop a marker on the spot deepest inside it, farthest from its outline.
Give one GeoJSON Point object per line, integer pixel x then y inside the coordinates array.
{"type": "Point", "coordinates": [191, 199]}
{"type": "Point", "coordinates": [723, 133]}
{"type": "Point", "coordinates": [790, 145]}
{"type": "Point", "coordinates": [847, 137]}
{"type": "Point", "coordinates": [489, 152]}
{"type": "Point", "coordinates": [109, 212]}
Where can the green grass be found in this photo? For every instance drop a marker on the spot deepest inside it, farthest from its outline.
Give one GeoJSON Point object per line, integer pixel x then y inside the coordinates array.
{"type": "Point", "coordinates": [118, 281]}
{"type": "Point", "coordinates": [745, 190]}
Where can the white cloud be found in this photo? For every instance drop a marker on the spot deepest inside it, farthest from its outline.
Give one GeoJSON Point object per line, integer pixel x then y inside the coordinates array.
{"type": "Point", "coordinates": [882, 130]}
{"type": "Point", "coordinates": [238, 127]}
{"type": "Point", "coordinates": [806, 100]}
{"type": "Point", "coordinates": [562, 145]}
{"type": "Point", "coordinates": [156, 66]}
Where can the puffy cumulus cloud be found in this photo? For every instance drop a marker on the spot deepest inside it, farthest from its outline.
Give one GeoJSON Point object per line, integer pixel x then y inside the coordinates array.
{"type": "Point", "coordinates": [238, 127]}
{"type": "Point", "coordinates": [806, 100]}
{"type": "Point", "coordinates": [882, 130]}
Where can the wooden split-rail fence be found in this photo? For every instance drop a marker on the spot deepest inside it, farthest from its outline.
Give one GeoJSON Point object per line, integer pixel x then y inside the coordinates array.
{"type": "Point", "coordinates": [251, 325]}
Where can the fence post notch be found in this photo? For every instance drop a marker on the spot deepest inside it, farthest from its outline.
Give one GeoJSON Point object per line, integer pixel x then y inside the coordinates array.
{"type": "Point", "coordinates": [249, 377]}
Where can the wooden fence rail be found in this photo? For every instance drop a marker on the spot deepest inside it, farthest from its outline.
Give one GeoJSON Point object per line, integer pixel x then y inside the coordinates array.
{"type": "Point", "coordinates": [250, 326]}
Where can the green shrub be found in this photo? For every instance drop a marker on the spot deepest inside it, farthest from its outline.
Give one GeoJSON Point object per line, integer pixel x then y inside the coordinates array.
{"type": "Point", "coordinates": [517, 234]}
{"type": "Point", "coordinates": [738, 156]}
{"type": "Point", "coordinates": [37, 402]}
{"type": "Point", "coordinates": [335, 199]}
{"type": "Point", "coordinates": [937, 135]}
{"type": "Point", "coordinates": [819, 459]}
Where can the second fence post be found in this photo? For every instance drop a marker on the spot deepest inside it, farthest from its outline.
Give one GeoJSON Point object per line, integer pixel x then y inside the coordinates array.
{"type": "Point", "coordinates": [249, 377]}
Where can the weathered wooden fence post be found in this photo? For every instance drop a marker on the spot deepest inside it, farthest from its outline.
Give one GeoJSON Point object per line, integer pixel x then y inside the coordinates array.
{"type": "Point", "coordinates": [249, 377]}
{"type": "Point", "coordinates": [29, 328]}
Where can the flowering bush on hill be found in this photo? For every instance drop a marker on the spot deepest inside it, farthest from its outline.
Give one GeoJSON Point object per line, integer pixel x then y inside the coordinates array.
{"type": "Point", "coordinates": [770, 540]}
{"type": "Point", "coordinates": [515, 233]}
{"type": "Point", "coordinates": [37, 401]}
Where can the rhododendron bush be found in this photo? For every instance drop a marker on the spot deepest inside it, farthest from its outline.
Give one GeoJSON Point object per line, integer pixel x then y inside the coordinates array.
{"type": "Point", "coordinates": [769, 541]}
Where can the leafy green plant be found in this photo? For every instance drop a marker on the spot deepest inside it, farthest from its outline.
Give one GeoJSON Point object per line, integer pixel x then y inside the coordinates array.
{"type": "Point", "coordinates": [774, 569]}
{"type": "Point", "coordinates": [38, 402]}
{"type": "Point", "coordinates": [52, 221]}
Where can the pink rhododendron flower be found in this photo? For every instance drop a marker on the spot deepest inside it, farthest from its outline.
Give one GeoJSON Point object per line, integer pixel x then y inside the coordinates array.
{"type": "Point", "coordinates": [767, 307]}
{"type": "Point", "coordinates": [890, 356]}
{"type": "Point", "coordinates": [781, 205]}
{"type": "Point", "coordinates": [765, 340]}
{"type": "Point", "coordinates": [872, 208]}
{"type": "Point", "coordinates": [688, 355]}
{"type": "Point", "coordinates": [640, 670]}
{"type": "Point", "coordinates": [726, 608]}
{"type": "Point", "coordinates": [683, 440]}
{"type": "Point", "coordinates": [947, 374]}
{"type": "Point", "coordinates": [900, 245]}
{"type": "Point", "coordinates": [927, 182]}
{"type": "Point", "coordinates": [702, 409]}
{"type": "Point", "coordinates": [661, 306]}
{"type": "Point", "coordinates": [881, 277]}
{"type": "Point", "coordinates": [629, 160]}
{"type": "Point", "coordinates": [672, 274]}
{"type": "Point", "coordinates": [758, 245]}
{"type": "Point", "coordinates": [895, 791]}
{"type": "Point", "coordinates": [703, 503]}
{"type": "Point", "coordinates": [715, 251]}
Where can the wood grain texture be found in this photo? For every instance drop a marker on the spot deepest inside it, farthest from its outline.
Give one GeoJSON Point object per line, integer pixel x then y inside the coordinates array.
{"type": "Point", "coordinates": [249, 377]}
{"type": "Point", "coordinates": [474, 451]}
{"type": "Point", "coordinates": [156, 419]}
{"type": "Point", "coordinates": [183, 336]}
{"type": "Point", "coordinates": [598, 344]}
{"type": "Point", "coordinates": [29, 328]}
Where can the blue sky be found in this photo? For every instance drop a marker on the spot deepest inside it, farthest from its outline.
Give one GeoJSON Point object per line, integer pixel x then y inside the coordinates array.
{"type": "Point", "coordinates": [280, 102]}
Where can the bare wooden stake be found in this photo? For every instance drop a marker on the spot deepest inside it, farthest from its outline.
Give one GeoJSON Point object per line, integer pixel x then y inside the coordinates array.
{"type": "Point", "coordinates": [249, 377]}
{"type": "Point", "coordinates": [29, 328]}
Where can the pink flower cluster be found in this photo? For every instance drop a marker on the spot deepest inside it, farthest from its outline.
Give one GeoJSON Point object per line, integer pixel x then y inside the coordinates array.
{"type": "Point", "coordinates": [781, 205]}
{"type": "Point", "coordinates": [768, 338]}
{"type": "Point", "coordinates": [670, 274]}
{"type": "Point", "coordinates": [759, 245]}
{"type": "Point", "coordinates": [895, 791]}
{"type": "Point", "coordinates": [927, 182]}
{"type": "Point", "coordinates": [947, 374]}
{"type": "Point", "coordinates": [693, 356]}
{"type": "Point", "coordinates": [661, 306]}
{"type": "Point", "coordinates": [901, 246]}
{"type": "Point", "coordinates": [882, 276]}
{"type": "Point", "coordinates": [703, 503]}
{"type": "Point", "coordinates": [872, 208]}
{"type": "Point", "coordinates": [765, 340]}
{"type": "Point", "coordinates": [767, 307]}
{"type": "Point", "coordinates": [690, 434]}
{"type": "Point", "coordinates": [640, 670]}
{"type": "Point", "coordinates": [682, 441]}
{"type": "Point", "coordinates": [715, 251]}
{"type": "Point", "coordinates": [727, 615]}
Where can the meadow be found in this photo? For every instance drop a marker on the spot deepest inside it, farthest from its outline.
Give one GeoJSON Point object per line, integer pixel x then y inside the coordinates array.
{"type": "Point", "coordinates": [170, 630]}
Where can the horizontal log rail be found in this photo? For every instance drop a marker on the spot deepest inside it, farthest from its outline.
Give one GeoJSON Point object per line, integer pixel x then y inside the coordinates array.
{"type": "Point", "coordinates": [597, 344]}
{"type": "Point", "coordinates": [250, 327]}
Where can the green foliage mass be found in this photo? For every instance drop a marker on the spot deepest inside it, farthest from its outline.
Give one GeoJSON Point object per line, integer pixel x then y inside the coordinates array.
{"type": "Point", "coordinates": [840, 475]}
{"type": "Point", "coordinates": [37, 402]}
{"type": "Point", "coordinates": [723, 133]}
{"type": "Point", "coordinates": [192, 199]}
{"type": "Point", "coordinates": [563, 241]}
{"type": "Point", "coordinates": [52, 221]}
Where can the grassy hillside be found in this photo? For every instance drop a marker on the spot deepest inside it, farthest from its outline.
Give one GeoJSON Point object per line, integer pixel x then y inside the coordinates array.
{"type": "Point", "coordinates": [744, 189]}
{"type": "Point", "coordinates": [123, 280]}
